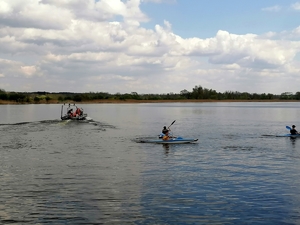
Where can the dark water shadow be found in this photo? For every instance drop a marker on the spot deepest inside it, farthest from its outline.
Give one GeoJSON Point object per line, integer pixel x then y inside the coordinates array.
{"type": "Point", "coordinates": [166, 147]}
{"type": "Point", "coordinates": [293, 141]}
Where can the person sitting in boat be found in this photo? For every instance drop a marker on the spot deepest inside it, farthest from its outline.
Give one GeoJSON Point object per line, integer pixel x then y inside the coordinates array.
{"type": "Point", "coordinates": [70, 113]}
{"type": "Point", "coordinates": [293, 131]}
{"type": "Point", "coordinates": [78, 111]}
{"type": "Point", "coordinates": [165, 132]}
{"type": "Point", "coordinates": [74, 114]}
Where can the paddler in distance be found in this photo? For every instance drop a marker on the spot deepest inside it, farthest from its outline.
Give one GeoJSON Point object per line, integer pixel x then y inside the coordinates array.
{"type": "Point", "coordinates": [293, 131]}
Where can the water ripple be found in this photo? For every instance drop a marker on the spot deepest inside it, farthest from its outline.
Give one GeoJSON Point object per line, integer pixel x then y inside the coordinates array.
{"type": "Point", "coordinates": [58, 172]}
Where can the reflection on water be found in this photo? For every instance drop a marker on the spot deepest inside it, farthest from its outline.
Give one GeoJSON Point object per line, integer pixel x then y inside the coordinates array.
{"type": "Point", "coordinates": [94, 172]}
{"type": "Point", "coordinates": [293, 141]}
{"type": "Point", "coordinates": [166, 148]}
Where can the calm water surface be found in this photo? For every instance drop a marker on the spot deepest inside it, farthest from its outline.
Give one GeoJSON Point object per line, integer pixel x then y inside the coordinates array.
{"type": "Point", "coordinates": [94, 172]}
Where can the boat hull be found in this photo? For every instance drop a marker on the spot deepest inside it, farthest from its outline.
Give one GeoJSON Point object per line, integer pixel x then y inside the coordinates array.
{"type": "Point", "coordinates": [171, 141]}
{"type": "Point", "coordinates": [67, 117]}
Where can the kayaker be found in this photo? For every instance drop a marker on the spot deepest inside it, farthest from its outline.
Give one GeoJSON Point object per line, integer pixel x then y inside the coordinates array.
{"type": "Point", "coordinates": [293, 130]}
{"type": "Point", "coordinates": [165, 130]}
{"type": "Point", "coordinates": [165, 133]}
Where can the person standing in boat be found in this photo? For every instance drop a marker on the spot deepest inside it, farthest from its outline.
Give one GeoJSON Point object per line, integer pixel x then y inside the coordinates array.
{"type": "Point", "coordinates": [293, 131]}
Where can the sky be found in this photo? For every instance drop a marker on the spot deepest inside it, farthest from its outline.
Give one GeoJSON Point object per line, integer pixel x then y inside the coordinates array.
{"type": "Point", "coordinates": [150, 46]}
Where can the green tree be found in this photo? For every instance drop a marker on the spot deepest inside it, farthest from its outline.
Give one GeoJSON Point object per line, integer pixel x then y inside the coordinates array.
{"type": "Point", "coordinates": [286, 95]}
{"type": "Point", "coordinates": [197, 92]}
{"type": "Point", "coordinates": [297, 95]}
{"type": "Point", "coordinates": [3, 95]}
{"type": "Point", "coordinates": [36, 99]}
{"type": "Point", "coordinates": [77, 98]}
{"type": "Point", "coordinates": [48, 98]}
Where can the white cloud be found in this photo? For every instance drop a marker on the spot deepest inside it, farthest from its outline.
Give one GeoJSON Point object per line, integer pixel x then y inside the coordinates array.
{"type": "Point", "coordinates": [11, 68]}
{"type": "Point", "coordinates": [296, 6]}
{"type": "Point", "coordinates": [5, 8]}
{"type": "Point", "coordinates": [275, 8]}
{"type": "Point", "coordinates": [101, 46]}
{"type": "Point", "coordinates": [33, 14]}
{"type": "Point", "coordinates": [29, 71]}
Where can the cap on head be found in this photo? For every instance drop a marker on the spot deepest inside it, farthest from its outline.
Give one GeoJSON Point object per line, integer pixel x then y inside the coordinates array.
{"type": "Point", "coordinates": [293, 126]}
{"type": "Point", "coordinates": [165, 127]}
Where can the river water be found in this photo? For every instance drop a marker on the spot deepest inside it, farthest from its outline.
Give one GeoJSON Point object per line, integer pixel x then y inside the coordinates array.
{"type": "Point", "coordinates": [95, 172]}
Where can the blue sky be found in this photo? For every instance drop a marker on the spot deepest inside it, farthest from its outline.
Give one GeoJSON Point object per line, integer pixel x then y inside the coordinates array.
{"type": "Point", "coordinates": [203, 18]}
{"type": "Point", "coordinates": [150, 46]}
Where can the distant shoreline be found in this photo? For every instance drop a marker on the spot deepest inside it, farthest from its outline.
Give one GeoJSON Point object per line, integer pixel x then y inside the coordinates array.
{"type": "Point", "coordinates": [133, 101]}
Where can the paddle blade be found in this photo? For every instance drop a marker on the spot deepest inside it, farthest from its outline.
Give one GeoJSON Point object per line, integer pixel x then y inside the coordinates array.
{"type": "Point", "coordinates": [287, 127]}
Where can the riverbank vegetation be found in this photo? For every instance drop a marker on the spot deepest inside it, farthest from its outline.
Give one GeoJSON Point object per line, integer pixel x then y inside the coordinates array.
{"type": "Point", "coordinates": [198, 93]}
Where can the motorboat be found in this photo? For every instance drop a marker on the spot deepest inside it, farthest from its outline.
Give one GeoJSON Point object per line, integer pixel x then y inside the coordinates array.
{"type": "Point", "coordinates": [72, 112]}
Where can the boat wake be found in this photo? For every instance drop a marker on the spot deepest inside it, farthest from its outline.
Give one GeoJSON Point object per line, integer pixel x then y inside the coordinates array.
{"type": "Point", "coordinates": [30, 122]}
{"type": "Point", "coordinates": [66, 123]}
{"type": "Point", "coordinates": [268, 135]}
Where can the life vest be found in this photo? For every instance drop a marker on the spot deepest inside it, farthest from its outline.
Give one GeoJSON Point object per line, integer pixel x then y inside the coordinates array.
{"type": "Point", "coordinates": [166, 137]}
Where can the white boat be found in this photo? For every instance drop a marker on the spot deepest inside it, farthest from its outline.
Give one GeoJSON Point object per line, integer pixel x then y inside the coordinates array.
{"type": "Point", "coordinates": [72, 112]}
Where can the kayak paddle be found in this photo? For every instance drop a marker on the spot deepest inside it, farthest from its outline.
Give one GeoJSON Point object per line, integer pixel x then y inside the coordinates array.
{"type": "Point", "coordinates": [171, 124]}
{"type": "Point", "coordinates": [287, 127]}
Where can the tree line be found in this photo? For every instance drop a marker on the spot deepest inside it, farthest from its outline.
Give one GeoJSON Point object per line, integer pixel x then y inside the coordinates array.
{"type": "Point", "coordinates": [198, 92]}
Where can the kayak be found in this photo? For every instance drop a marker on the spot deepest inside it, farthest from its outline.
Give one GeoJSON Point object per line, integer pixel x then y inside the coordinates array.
{"type": "Point", "coordinates": [288, 135]}
{"type": "Point", "coordinates": [178, 140]}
